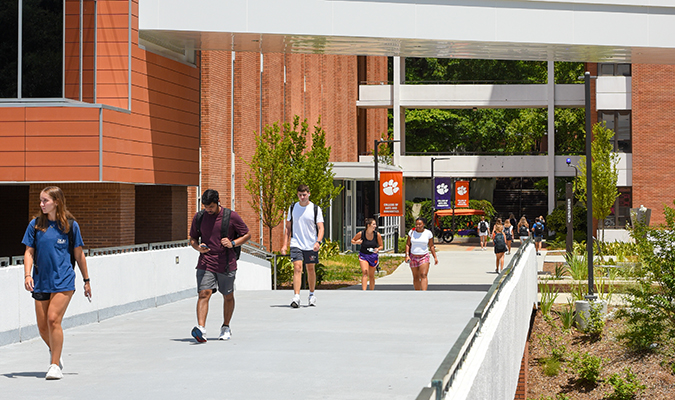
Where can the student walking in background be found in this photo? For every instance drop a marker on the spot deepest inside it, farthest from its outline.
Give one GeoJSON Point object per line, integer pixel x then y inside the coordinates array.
{"type": "Point", "coordinates": [538, 231]}
{"type": "Point", "coordinates": [500, 246]}
{"type": "Point", "coordinates": [371, 244]}
{"type": "Point", "coordinates": [508, 234]}
{"type": "Point", "coordinates": [523, 229]}
{"type": "Point", "coordinates": [53, 240]}
{"type": "Point", "coordinates": [483, 232]}
{"type": "Point", "coordinates": [419, 243]}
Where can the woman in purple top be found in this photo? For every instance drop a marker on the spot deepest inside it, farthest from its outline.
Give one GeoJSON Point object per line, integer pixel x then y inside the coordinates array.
{"type": "Point", "coordinates": [371, 243]}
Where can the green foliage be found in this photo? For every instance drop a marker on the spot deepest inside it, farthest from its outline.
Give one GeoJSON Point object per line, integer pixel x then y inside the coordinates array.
{"type": "Point", "coordinates": [559, 396]}
{"type": "Point", "coordinates": [595, 323]}
{"type": "Point", "coordinates": [587, 367]}
{"type": "Point", "coordinates": [552, 364]}
{"type": "Point", "coordinates": [548, 297]}
{"type": "Point", "coordinates": [567, 315]}
{"type": "Point", "coordinates": [284, 270]}
{"type": "Point", "coordinates": [625, 389]}
{"type": "Point", "coordinates": [280, 163]}
{"type": "Point", "coordinates": [578, 266]}
{"type": "Point", "coordinates": [329, 249]}
{"type": "Point", "coordinates": [557, 221]}
{"type": "Point", "coordinates": [651, 302]}
{"type": "Point", "coordinates": [604, 173]}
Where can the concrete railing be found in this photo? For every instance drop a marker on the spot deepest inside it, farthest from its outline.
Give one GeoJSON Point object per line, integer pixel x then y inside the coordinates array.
{"type": "Point", "coordinates": [484, 362]}
{"type": "Point", "coordinates": [121, 283]}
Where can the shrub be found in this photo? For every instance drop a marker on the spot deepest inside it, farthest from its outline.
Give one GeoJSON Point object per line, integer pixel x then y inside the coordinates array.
{"type": "Point", "coordinates": [595, 323]}
{"type": "Point", "coordinates": [651, 310]}
{"type": "Point", "coordinates": [625, 389]}
{"type": "Point", "coordinates": [548, 297]}
{"type": "Point", "coordinates": [567, 315]}
{"type": "Point", "coordinates": [587, 367]}
{"type": "Point", "coordinates": [557, 221]}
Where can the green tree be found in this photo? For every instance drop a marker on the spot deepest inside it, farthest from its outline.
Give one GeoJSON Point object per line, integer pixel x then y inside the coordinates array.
{"type": "Point", "coordinates": [650, 311]}
{"type": "Point", "coordinates": [604, 174]}
{"type": "Point", "coordinates": [267, 176]}
{"type": "Point", "coordinates": [281, 162]}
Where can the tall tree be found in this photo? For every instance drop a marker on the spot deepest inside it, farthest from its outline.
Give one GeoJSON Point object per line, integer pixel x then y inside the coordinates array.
{"type": "Point", "coordinates": [281, 162]}
{"type": "Point", "coordinates": [604, 174]}
{"type": "Point", "coordinates": [267, 176]}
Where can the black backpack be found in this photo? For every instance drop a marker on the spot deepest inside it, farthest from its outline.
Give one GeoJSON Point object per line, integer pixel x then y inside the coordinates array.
{"type": "Point", "coordinates": [316, 211]}
{"type": "Point", "coordinates": [522, 231]}
{"type": "Point", "coordinates": [224, 228]}
{"type": "Point", "coordinates": [508, 233]}
{"type": "Point", "coordinates": [482, 226]}
{"type": "Point", "coordinates": [499, 241]}
{"type": "Point", "coordinates": [538, 229]}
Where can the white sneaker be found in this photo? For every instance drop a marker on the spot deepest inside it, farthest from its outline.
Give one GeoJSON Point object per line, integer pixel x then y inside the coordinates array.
{"type": "Point", "coordinates": [60, 359]}
{"type": "Point", "coordinates": [312, 300]}
{"type": "Point", "coordinates": [54, 372]}
{"type": "Point", "coordinates": [225, 333]}
{"type": "Point", "coordinates": [295, 303]}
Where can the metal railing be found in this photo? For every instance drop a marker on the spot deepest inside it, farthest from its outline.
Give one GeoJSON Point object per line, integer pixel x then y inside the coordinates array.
{"type": "Point", "coordinates": [446, 373]}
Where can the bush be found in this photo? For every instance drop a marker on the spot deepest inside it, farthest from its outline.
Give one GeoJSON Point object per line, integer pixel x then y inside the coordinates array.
{"type": "Point", "coordinates": [651, 311]}
{"type": "Point", "coordinates": [625, 389]}
{"type": "Point", "coordinates": [595, 323]}
{"type": "Point", "coordinates": [587, 367]}
{"type": "Point", "coordinates": [557, 221]}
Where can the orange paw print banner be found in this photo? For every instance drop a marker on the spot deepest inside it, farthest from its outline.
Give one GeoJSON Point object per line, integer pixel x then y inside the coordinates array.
{"type": "Point", "coordinates": [391, 194]}
{"type": "Point", "coordinates": [461, 194]}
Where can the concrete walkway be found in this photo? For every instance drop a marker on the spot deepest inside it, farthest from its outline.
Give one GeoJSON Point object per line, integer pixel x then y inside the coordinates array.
{"type": "Point", "coordinates": [384, 344]}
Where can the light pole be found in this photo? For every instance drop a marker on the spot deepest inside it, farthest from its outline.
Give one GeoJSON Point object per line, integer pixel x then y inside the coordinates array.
{"type": "Point", "coordinates": [569, 194]}
{"type": "Point", "coordinates": [589, 188]}
{"type": "Point", "coordinates": [433, 192]}
{"type": "Point", "coordinates": [377, 178]}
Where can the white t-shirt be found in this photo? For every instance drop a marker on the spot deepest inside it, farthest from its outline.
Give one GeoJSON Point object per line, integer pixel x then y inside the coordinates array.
{"type": "Point", "coordinates": [304, 231]}
{"type": "Point", "coordinates": [419, 242]}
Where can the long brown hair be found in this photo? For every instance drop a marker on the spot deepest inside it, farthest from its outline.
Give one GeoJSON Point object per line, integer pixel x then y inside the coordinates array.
{"type": "Point", "coordinates": [62, 213]}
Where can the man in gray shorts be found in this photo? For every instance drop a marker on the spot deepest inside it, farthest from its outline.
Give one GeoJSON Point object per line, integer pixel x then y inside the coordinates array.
{"type": "Point", "coordinates": [217, 265]}
{"type": "Point", "coordinates": [304, 231]}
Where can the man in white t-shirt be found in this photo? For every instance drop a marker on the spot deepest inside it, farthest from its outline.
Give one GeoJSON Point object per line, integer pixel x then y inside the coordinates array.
{"type": "Point", "coordinates": [304, 231]}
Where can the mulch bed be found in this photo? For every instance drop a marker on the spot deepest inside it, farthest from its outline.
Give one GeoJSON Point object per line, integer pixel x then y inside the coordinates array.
{"type": "Point", "coordinates": [652, 370]}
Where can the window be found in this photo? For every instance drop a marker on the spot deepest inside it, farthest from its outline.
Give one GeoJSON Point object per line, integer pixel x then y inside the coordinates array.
{"type": "Point", "coordinates": [620, 123]}
{"type": "Point", "coordinates": [41, 44]}
{"type": "Point", "coordinates": [605, 69]}
{"type": "Point", "coordinates": [620, 216]}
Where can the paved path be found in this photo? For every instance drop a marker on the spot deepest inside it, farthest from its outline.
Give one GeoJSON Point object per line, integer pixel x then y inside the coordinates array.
{"type": "Point", "coordinates": [384, 344]}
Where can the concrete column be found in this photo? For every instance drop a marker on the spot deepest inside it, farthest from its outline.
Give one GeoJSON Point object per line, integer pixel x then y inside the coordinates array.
{"type": "Point", "coordinates": [550, 158]}
{"type": "Point", "coordinates": [397, 111]}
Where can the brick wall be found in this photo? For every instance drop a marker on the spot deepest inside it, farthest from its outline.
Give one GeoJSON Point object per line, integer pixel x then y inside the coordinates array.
{"type": "Point", "coordinates": [653, 124]}
{"type": "Point", "coordinates": [105, 211]}
{"type": "Point", "coordinates": [315, 86]}
{"type": "Point", "coordinates": [521, 389]}
{"type": "Point", "coordinates": [160, 213]}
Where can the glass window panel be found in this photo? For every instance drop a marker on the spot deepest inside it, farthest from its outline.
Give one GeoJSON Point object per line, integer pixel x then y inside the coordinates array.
{"type": "Point", "coordinates": [9, 48]}
{"type": "Point", "coordinates": [625, 202]}
{"type": "Point", "coordinates": [623, 132]}
{"type": "Point", "coordinates": [606, 69]}
{"type": "Point", "coordinates": [42, 67]}
{"type": "Point", "coordinates": [623, 70]}
{"type": "Point", "coordinates": [608, 117]}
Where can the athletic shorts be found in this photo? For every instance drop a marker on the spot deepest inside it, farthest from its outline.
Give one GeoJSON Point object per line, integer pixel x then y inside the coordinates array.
{"type": "Point", "coordinates": [483, 233]}
{"type": "Point", "coordinates": [224, 283]}
{"type": "Point", "coordinates": [308, 256]}
{"type": "Point", "coordinates": [416, 261]}
{"type": "Point", "coordinates": [538, 238]}
{"type": "Point", "coordinates": [500, 250]}
{"type": "Point", "coordinates": [42, 296]}
{"type": "Point", "coordinates": [372, 259]}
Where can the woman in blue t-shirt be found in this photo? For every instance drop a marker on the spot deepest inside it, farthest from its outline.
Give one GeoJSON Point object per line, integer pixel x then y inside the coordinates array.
{"type": "Point", "coordinates": [52, 279]}
{"type": "Point", "coordinates": [371, 244]}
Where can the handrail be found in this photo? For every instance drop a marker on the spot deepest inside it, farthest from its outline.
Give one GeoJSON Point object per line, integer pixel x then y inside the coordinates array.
{"type": "Point", "coordinates": [453, 361]}
{"type": "Point", "coordinates": [4, 262]}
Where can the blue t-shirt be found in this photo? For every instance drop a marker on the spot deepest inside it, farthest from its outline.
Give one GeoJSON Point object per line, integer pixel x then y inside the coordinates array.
{"type": "Point", "coordinates": [53, 271]}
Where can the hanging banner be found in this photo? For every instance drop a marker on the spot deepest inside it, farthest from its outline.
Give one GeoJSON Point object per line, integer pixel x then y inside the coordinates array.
{"type": "Point", "coordinates": [461, 194]}
{"type": "Point", "coordinates": [442, 193]}
{"type": "Point", "coordinates": [391, 194]}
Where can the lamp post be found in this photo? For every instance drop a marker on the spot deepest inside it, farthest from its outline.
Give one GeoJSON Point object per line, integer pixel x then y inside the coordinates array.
{"type": "Point", "coordinates": [377, 178]}
{"type": "Point", "coordinates": [433, 191]}
{"type": "Point", "coordinates": [589, 188]}
{"type": "Point", "coordinates": [569, 194]}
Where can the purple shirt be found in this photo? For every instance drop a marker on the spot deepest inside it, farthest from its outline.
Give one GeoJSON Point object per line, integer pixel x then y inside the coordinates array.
{"type": "Point", "coordinates": [217, 259]}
